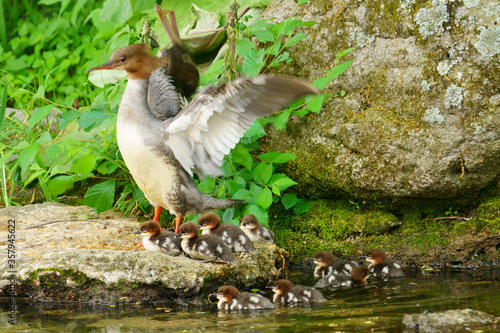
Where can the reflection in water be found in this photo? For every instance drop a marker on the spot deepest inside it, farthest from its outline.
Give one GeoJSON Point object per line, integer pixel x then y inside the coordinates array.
{"type": "Point", "coordinates": [378, 305]}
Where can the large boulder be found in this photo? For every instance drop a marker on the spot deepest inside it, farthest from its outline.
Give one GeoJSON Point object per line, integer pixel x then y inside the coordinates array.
{"type": "Point", "coordinates": [421, 112]}
{"type": "Point", "coordinates": [64, 253]}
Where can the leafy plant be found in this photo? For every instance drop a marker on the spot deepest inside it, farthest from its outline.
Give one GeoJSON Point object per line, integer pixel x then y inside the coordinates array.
{"type": "Point", "coordinates": [55, 144]}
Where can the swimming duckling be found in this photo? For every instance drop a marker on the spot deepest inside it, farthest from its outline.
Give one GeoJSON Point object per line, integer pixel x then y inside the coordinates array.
{"type": "Point", "coordinates": [230, 298]}
{"type": "Point", "coordinates": [285, 292]}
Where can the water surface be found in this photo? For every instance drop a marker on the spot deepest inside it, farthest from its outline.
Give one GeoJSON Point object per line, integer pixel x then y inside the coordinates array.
{"type": "Point", "coordinates": [376, 306]}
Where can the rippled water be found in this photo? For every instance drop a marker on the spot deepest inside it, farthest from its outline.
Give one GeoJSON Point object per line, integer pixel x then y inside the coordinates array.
{"type": "Point", "coordinates": [378, 305]}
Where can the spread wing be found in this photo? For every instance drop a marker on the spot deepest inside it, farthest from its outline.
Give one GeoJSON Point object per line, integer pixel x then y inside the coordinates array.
{"type": "Point", "coordinates": [215, 120]}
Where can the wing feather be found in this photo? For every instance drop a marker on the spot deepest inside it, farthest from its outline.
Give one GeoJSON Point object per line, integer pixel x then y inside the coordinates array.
{"type": "Point", "coordinates": [216, 119]}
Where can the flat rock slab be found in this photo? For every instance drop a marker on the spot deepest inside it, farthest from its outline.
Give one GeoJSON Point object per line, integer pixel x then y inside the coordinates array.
{"type": "Point", "coordinates": [69, 253]}
{"type": "Point", "coordinates": [463, 320]}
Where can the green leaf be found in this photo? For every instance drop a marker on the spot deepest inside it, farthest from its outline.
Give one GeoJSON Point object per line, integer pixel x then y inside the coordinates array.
{"type": "Point", "coordinates": [289, 200]}
{"type": "Point", "coordinates": [39, 115]}
{"type": "Point", "coordinates": [67, 117]}
{"type": "Point", "coordinates": [106, 167]}
{"type": "Point", "coordinates": [3, 105]}
{"type": "Point", "coordinates": [253, 63]}
{"type": "Point", "coordinates": [40, 93]}
{"type": "Point", "coordinates": [242, 194]}
{"type": "Point", "coordinates": [322, 82]}
{"type": "Point", "coordinates": [295, 39]}
{"type": "Point", "coordinates": [27, 156]}
{"type": "Point", "coordinates": [228, 215]}
{"type": "Point", "coordinates": [316, 103]}
{"type": "Point", "coordinates": [277, 157]}
{"type": "Point", "coordinates": [60, 184]}
{"type": "Point", "coordinates": [207, 186]}
{"type": "Point", "coordinates": [302, 206]}
{"type": "Point", "coordinates": [84, 165]}
{"type": "Point", "coordinates": [241, 156]}
{"type": "Point", "coordinates": [101, 196]}
{"type": "Point", "coordinates": [261, 215]}
{"type": "Point", "coordinates": [263, 172]}
{"type": "Point", "coordinates": [265, 198]}
{"type": "Point", "coordinates": [282, 181]}
{"type": "Point", "coordinates": [344, 52]}
{"type": "Point", "coordinates": [256, 131]}
{"type": "Point", "coordinates": [245, 47]}
{"type": "Point", "coordinates": [91, 119]}
{"type": "Point", "coordinates": [281, 119]}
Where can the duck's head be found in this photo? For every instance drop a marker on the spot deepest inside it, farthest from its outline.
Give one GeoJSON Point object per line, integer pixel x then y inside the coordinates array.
{"type": "Point", "coordinates": [360, 274]}
{"type": "Point", "coordinates": [135, 59]}
{"type": "Point", "coordinates": [227, 293]}
{"type": "Point", "coordinates": [249, 222]}
{"type": "Point", "coordinates": [323, 258]}
{"type": "Point", "coordinates": [208, 221]}
{"type": "Point", "coordinates": [150, 228]}
{"type": "Point", "coordinates": [188, 230]}
{"type": "Point", "coordinates": [282, 286]}
{"type": "Point", "coordinates": [375, 256]}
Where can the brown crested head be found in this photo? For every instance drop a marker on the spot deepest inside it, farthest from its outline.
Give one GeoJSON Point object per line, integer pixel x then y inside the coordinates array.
{"type": "Point", "coordinates": [359, 274]}
{"type": "Point", "coordinates": [323, 258]}
{"type": "Point", "coordinates": [135, 59]}
{"type": "Point", "coordinates": [150, 228]}
{"type": "Point", "coordinates": [227, 293]}
{"type": "Point", "coordinates": [376, 256]}
{"type": "Point", "coordinates": [249, 221]}
{"type": "Point", "coordinates": [282, 286]}
{"type": "Point", "coordinates": [209, 221]}
{"type": "Point", "coordinates": [188, 230]}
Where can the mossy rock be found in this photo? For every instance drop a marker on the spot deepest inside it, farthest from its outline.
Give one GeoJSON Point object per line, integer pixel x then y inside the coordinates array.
{"type": "Point", "coordinates": [421, 106]}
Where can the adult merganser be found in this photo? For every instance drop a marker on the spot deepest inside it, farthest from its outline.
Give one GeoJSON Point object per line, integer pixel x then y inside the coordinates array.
{"type": "Point", "coordinates": [285, 292]}
{"type": "Point", "coordinates": [206, 247]}
{"type": "Point", "coordinates": [230, 298]}
{"type": "Point", "coordinates": [233, 236]}
{"type": "Point", "coordinates": [161, 154]}
{"type": "Point", "coordinates": [156, 240]}
{"type": "Point", "coordinates": [357, 276]}
{"type": "Point", "coordinates": [380, 266]}
{"type": "Point", "coordinates": [327, 264]}
{"type": "Point", "coordinates": [255, 230]}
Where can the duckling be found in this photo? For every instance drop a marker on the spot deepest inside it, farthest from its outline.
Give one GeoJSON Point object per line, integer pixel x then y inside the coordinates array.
{"type": "Point", "coordinates": [327, 264]}
{"type": "Point", "coordinates": [357, 276]}
{"type": "Point", "coordinates": [285, 292]}
{"type": "Point", "coordinates": [255, 230]}
{"type": "Point", "coordinates": [233, 236]}
{"type": "Point", "coordinates": [380, 266]}
{"type": "Point", "coordinates": [230, 298]}
{"type": "Point", "coordinates": [206, 247]}
{"type": "Point", "coordinates": [156, 240]}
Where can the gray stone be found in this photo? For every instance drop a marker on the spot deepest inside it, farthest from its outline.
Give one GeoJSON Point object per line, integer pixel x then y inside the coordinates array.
{"type": "Point", "coordinates": [463, 320]}
{"type": "Point", "coordinates": [70, 253]}
{"type": "Point", "coordinates": [378, 140]}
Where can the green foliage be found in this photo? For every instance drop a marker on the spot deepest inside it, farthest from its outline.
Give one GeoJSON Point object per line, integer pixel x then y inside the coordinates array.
{"type": "Point", "coordinates": [44, 70]}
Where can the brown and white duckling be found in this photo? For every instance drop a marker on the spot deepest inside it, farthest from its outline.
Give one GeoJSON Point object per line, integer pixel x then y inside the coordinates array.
{"type": "Point", "coordinates": [206, 247]}
{"type": "Point", "coordinates": [380, 266]}
{"type": "Point", "coordinates": [327, 264]}
{"type": "Point", "coordinates": [233, 236]}
{"type": "Point", "coordinates": [255, 230]}
{"type": "Point", "coordinates": [357, 276]}
{"type": "Point", "coordinates": [230, 298]}
{"type": "Point", "coordinates": [285, 292]}
{"type": "Point", "coordinates": [156, 240]}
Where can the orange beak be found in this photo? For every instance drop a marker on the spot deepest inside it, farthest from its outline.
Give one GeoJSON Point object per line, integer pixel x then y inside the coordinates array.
{"type": "Point", "coordinates": [106, 65]}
